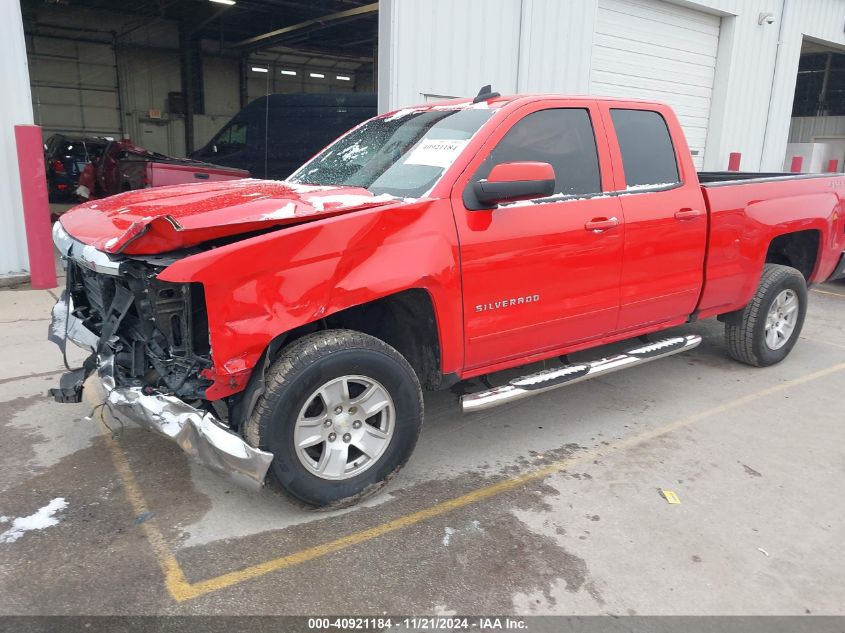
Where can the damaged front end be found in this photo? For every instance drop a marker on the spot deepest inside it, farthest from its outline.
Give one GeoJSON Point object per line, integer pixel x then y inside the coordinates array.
{"type": "Point", "coordinates": [149, 345]}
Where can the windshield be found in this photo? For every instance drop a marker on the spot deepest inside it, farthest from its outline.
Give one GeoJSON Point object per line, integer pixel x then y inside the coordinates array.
{"type": "Point", "coordinates": [402, 155]}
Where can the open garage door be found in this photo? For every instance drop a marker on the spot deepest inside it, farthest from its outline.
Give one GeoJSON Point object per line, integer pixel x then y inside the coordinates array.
{"type": "Point", "coordinates": [651, 49]}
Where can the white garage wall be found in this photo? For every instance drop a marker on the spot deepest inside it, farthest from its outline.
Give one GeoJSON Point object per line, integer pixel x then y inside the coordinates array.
{"type": "Point", "coordinates": [447, 47]}
{"type": "Point", "coordinates": [805, 128]}
{"type": "Point", "coordinates": [655, 50]}
{"type": "Point", "coordinates": [15, 109]}
{"type": "Point", "coordinates": [451, 47]}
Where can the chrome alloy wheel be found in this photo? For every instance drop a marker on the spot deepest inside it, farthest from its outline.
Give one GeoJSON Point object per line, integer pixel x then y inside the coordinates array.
{"type": "Point", "coordinates": [781, 320]}
{"type": "Point", "coordinates": [344, 427]}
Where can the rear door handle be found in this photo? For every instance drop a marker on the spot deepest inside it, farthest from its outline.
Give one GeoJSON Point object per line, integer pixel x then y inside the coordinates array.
{"type": "Point", "coordinates": [688, 214]}
{"type": "Point", "coordinates": [599, 225]}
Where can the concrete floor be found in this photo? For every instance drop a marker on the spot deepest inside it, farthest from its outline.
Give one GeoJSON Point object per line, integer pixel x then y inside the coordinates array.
{"type": "Point", "coordinates": [755, 456]}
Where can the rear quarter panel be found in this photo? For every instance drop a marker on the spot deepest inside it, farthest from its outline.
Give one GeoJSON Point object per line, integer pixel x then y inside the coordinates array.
{"type": "Point", "coordinates": [261, 287]}
{"type": "Point", "coordinates": [745, 218]}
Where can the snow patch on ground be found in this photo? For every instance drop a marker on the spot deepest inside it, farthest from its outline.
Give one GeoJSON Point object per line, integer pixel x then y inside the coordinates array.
{"type": "Point", "coordinates": [469, 528]}
{"type": "Point", "coordinates": [41, 519]}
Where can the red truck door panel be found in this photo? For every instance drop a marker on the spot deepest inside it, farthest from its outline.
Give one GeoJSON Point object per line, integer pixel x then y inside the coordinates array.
{"type": "Point", "coordinates": [538, 275]}
{"type": "Point", "coordinates": [665, 216]}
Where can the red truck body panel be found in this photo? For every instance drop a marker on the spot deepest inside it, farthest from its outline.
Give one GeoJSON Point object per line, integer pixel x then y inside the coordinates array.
{"type": "Point", "coordinates": [509, 285]}
{"type": "Point", "coordinates": [165, 219]}
{"type": "Point", "coordinates": [744, 220]}
{"type": "Point", "coordinates": [285, 279]}
{"type": "Point", "coordinates": [167, 174]}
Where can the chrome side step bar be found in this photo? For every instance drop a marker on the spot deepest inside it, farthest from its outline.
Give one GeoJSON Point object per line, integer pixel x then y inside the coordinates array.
{"type": "Point", "coordinates": [549, 379]}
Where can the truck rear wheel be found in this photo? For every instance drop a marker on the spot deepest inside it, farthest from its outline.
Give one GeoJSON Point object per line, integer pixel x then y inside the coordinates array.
{"type": "Point", "coordinates": [341, 414]}
{"type": "Point", "coordinates": [766, 330]}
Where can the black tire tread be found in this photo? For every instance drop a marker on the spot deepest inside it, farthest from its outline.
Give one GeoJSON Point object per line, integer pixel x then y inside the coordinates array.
{"type": "Point", "coordinates": [298, 356]}
{"type": "Point", "coordinates": [739, 336]}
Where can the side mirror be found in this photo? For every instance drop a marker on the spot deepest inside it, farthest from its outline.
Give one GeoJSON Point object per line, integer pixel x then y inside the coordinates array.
{"type": "Point", "coordinates": [509, 182]}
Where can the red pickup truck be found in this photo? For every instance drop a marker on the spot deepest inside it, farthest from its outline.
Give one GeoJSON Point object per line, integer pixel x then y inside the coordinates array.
{"type": "Point", "coordinates": [285, 330]}
{"type": "Point", "coordinates": [122, 166]}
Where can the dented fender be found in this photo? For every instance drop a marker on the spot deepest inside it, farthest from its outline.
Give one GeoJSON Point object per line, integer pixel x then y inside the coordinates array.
{"type": "Point", "coordinates": [266, 285]}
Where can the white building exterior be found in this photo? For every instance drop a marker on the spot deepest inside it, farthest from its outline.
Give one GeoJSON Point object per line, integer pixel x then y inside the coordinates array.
{"type": "Point", "coordinates": [728, 67]}
{"type": "Point", "coordinates": [15, 109]}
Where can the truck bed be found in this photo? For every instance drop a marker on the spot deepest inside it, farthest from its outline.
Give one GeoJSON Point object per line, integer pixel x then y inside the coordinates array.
{"type": "Point", "coordinates": [748, 211]}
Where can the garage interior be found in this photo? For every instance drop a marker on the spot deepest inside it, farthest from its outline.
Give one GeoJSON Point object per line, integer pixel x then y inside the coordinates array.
{"type": "Point", "coordinates": [168, 75]}
{"type": "Point", "coordinates": [817, 130]}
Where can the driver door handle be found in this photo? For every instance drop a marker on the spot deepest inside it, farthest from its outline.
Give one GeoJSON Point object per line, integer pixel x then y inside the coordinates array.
{"type": "Point", "coordinates": [599, 225]}
{"type": "Point", "coordinates": [688, 214]}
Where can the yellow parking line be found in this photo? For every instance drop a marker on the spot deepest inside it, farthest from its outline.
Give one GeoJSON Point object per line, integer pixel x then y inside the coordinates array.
{"type": "Point", "coordinates": [181, 590]}
{"type": "Point", "coordinates": [828, 292]}
{"type": "Point", "coordinates": [173, 576]}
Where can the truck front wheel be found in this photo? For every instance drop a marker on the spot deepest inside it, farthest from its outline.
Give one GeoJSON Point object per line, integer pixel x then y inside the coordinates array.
{"type": "Point", "coordinates": [766, 330]}
{"type": "Point", "coordinates": [341, 414]}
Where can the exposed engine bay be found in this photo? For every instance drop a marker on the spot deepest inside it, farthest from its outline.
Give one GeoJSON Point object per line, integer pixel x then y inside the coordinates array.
{"type": "Point", "coordinates": [157, 330]}
{"type": "Point", "coordinates": [149, 345]}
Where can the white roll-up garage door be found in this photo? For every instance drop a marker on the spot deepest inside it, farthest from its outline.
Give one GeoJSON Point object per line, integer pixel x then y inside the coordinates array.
{"type": "Point", "coordinates": [651, 49]}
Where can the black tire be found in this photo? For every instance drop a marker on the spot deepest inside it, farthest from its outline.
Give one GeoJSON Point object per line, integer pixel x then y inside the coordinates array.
{"type": "Point", "coordinates": [745, 332]}
{"type": "Point", "coordinates": [291, 381]}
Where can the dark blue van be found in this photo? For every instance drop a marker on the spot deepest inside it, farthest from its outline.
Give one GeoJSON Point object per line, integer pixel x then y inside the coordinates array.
{"type": "Point", "coordinates": [272, 143]}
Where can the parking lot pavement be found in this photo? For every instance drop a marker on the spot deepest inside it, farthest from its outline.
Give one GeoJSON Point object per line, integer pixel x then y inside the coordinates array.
{"type": "Point", "coordinates": [549, 505]}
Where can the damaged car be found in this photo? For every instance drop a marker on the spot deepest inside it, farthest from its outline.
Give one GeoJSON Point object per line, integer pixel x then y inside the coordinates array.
{"type": "Point", "coordinates": [285, 330]}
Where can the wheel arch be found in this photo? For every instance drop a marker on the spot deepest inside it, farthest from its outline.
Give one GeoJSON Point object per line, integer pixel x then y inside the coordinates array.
{"type": "Point", "coordinates": [406, 320]}
{"type": "Point", "coordinates": [797, 249]}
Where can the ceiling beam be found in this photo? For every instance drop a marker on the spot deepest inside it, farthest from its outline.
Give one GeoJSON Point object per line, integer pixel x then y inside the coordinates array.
{"type": "Point", "coordinates": [266, 38]}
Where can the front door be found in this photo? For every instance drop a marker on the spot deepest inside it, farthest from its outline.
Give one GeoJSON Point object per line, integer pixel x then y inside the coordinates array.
{"type": "Point", "coordinates": [539, 275]}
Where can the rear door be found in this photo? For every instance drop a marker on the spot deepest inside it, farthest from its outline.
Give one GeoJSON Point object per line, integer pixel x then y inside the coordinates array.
{"type": "Point", "coordinates": [536, 276]}
{"type": "Point", "coordinates": [665, 216]}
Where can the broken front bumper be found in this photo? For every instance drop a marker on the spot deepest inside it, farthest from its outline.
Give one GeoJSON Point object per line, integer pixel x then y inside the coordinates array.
{"type": "Point", "coordinates": [199, 433]}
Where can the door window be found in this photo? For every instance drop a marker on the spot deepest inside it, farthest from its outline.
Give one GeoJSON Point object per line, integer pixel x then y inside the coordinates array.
{"type": "Point", "coordinates": [232, 139]}
{"type": "Point", "coordinates": [648, 155]}
{"type": "Point", "coordinates": [562, 137]}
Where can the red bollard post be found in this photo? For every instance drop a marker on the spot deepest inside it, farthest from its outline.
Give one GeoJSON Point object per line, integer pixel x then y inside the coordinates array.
{"type": "Point", "coordinates": [36, 206]}
{"type": "Point", "coordinates": [733, 161]}
{"type": "Point", "coordinates": [833, 165]}
{"type": "Point", "coordinates": [797, 163]}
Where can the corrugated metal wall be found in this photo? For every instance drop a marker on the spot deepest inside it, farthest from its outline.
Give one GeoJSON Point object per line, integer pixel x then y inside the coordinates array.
{"type": "Point", "coordinates": [74, 86]}
{"type": "Point", "coordinates": [804, 129]}
{"type": "Point", "coordinates": [451, 47]}
{"type": "Point", "coordinates": [15, 109]}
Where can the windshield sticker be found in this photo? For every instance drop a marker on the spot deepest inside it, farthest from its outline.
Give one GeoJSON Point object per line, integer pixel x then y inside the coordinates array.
{"type": "Point", "coordinates": [436, 152]}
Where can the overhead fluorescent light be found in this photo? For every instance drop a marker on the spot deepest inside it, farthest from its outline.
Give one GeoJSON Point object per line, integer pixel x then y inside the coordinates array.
{"type": "Point", "coordinates": [258, 69]}
{"type": "Point", "coordinates": [317, 75]}
{"type": "Point", "coordinates": [343, 77]}
{"type": "Point", "coordinates": [292, 73]}
{"type": "Point", "coordinates": [229, 2]}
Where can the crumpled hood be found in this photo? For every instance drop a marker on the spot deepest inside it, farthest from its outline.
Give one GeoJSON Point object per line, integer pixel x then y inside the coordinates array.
{"type": "Point", "coordinates": [163, 219]}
